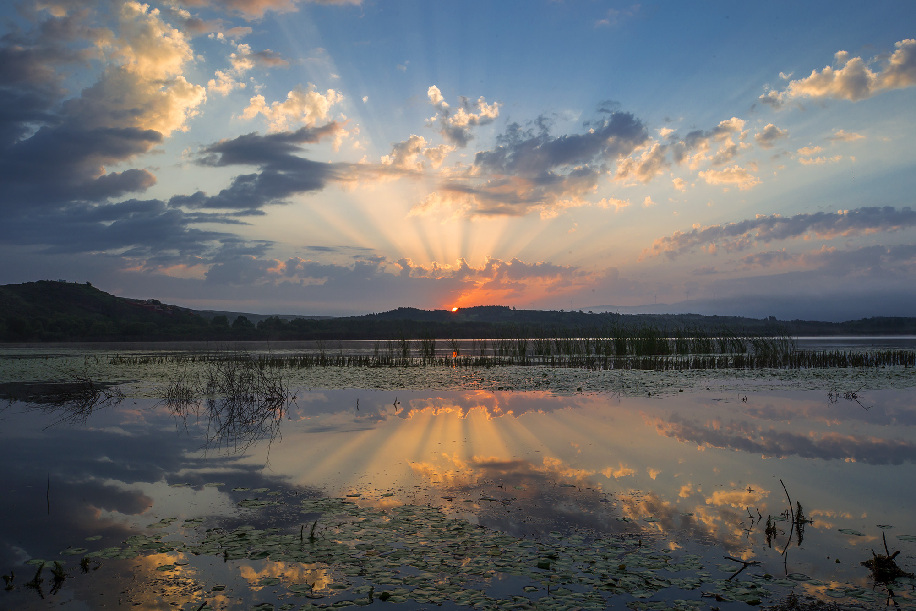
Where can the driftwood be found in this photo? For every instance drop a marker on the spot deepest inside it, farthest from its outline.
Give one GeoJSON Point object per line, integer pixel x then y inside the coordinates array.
{"type": "Point", "coordinates": [883, 567]}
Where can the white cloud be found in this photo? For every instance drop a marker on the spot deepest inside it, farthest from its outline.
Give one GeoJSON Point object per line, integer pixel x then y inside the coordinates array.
{"type": "Point", "coordinates": [455, 125]}
{"type": "Point", "coordinates": [301, 107]}
{"type": "Point", "coordinates": [435, 97]}
{"type": "Point", "coordinates": [844, 136]}
{"type": "Point", "coordinates": [819, 160]}
{"type": "Point", "coordinates": [809, 150]}
{"type": "Point", "coordinates": [223, 83]}
{"type": "Point", "coordinates": [415, 154]}
{"type": "Point", "coordinates": [852, 78]}
{"type": "Point", "coordinates": [731, 176]}
{"type": "Point", "coordinates": [144, 85]}
{"type": "Point", "coordinates": [612, 203]}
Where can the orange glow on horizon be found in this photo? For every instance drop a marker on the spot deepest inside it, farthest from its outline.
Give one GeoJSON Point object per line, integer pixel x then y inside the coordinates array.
{"type": "Point", "coordinates": [455, 309]}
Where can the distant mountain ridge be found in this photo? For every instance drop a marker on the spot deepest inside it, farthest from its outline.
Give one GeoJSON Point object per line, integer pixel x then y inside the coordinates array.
{"type": "Point", "coordinates": [65, 311]}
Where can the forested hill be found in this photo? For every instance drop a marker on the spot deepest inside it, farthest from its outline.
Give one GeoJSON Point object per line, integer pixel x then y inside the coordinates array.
{"type": "Point", "coordinates": [66, 311]}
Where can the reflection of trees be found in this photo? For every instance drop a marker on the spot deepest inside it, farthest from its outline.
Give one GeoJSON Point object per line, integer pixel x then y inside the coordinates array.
{"type": "Point", "coordinates": [242, 400]}
{"type": "Point", "coordinates": [75, 400]}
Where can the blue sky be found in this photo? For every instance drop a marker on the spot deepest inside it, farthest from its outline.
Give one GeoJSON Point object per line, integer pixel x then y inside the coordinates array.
{"type": "Point", "coordinates": [280, 156]}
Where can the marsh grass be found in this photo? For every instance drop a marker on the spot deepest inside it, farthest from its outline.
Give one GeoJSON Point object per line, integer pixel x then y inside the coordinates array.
{"type": "Point", "coordinates": [506, 353]}
{"type": "Point", "coordinates": [642, 348]}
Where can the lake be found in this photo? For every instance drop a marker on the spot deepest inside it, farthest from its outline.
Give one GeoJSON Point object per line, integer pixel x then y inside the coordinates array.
{"type": "Point", "coordinates": [504, 487]}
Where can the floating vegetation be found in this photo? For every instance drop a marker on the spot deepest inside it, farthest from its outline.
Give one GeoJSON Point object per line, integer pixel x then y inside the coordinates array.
{"type": "Point", "coordinates": [417, 555]}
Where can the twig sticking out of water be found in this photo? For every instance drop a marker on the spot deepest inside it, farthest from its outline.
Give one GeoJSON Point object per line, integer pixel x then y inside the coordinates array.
{"type": "Point", "coordinates": [744, 563]}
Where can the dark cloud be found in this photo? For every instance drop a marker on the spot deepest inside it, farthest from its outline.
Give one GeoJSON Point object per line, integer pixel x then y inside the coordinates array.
{"type": "Point", "coordinates": [54, 147]}
{"type": "Point", "coordinates": [746, 437]}
{"type": "Point", "coordinates": [282, 171]}
{"type": "Point", "coordinates": [741, 235]}
{"type": "Point", "coordinates": [148, 229]}
{"type": "Point", "coordinates": [64, 164]}
{"type": "Point", "coordinates": [540, 155]}
{"type": "Point", "coordinates": [530, 169]}
{"type": "Point", "coordinates": [269, 58]}
{"type": "Point", "coordinates": [769, 135]}
{"type": "Point", "coordinates": [274, 150]}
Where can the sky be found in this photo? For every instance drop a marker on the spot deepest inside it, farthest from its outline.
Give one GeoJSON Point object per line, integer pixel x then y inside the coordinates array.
{"type": "Point", "coordinates": [347, 157]}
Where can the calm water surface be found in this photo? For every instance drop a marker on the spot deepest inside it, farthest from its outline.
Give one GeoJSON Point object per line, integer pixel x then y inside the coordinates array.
{"type": "Point", "coordinates": [690, 464]}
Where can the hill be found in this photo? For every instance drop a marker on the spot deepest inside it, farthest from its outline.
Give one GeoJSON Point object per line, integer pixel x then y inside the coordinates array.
{"type": "Point", "coordinates": [66, 311]}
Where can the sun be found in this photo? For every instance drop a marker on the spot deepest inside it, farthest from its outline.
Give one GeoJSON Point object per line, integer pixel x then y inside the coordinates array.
{"type": "Point", "coordinates": [455, 309]}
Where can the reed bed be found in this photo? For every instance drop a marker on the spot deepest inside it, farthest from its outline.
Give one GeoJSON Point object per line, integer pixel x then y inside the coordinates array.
{"type": "Point", "coordinates": [595, 354]}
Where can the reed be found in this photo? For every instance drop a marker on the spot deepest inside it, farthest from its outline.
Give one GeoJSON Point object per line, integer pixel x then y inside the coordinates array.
{"type": "Point", "coordinates": [640, 348]}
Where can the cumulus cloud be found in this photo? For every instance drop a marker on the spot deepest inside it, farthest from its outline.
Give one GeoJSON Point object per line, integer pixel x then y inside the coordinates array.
{"type": "Point", "coordinates": [820, 160]}
{"type": "Point", "coordinates": [769, 135]}
{"type": "Point", "coordinates": [60, 146]}
{"type": "Point", "coordinates": [456, 125]}
{"type": "Point", "coordinates": [844, 136]}
{"type": "Point", "coordinates": [415, 153]}
{"type": "Point", "coordinates": [715, 147]}
{"type": "Point", "coordinates": [242, 60]}
{"type": "Point", "coordinates": [763, 229]}
{"type": "Point", "coordinates": [731, 176]}
{"type": "Point", "coordinates": [852, 78]}
{"type": "Point", "coordinates": [301, 107]}
{"type": "Point", "coordinates": [143, 86]}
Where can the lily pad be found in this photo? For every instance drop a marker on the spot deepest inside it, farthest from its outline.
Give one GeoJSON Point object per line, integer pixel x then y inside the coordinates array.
{"type": "Point", "coordinates": [850, 531]}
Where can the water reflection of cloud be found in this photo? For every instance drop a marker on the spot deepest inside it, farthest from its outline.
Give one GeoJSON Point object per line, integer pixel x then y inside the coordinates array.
{"type": "Point", "coordinates": [697, 523]}
{"type": "Point", "coordinates": [772, 443]}
{"type": "Point", "coordinates": [739, 499]}
{"type": "Point", "coordinates": [618, 472]}
{"type": "Point", "coordinates": [317, 576]}
{"type": "Point", "coordinates": [521, 497]}
{"type": "Point", "coordinates": [884, 409]}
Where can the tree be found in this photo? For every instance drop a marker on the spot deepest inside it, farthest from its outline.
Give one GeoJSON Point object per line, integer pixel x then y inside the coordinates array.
{"type": "Point", "coordinates": [242, 322]}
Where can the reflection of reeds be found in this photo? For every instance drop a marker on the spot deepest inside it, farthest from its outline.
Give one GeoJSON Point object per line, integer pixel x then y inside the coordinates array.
{"type": "Point", "coordinates": [243, 399]}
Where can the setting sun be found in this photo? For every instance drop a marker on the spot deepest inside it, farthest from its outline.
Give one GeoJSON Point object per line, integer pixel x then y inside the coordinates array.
{"type": "Point", "coordinates": [455, 309]}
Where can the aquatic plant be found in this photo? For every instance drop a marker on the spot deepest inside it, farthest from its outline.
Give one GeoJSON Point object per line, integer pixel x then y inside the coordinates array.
{"type": "Point", "coordinates": [244, 399]}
